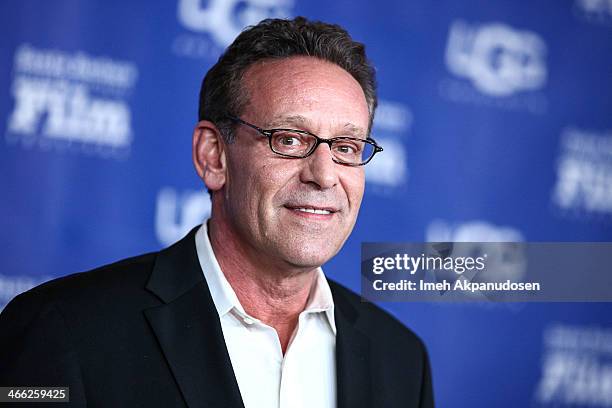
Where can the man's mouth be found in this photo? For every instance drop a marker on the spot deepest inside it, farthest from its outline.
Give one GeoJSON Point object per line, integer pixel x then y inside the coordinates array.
{"type": "Point", "coordinates": [312, 209]}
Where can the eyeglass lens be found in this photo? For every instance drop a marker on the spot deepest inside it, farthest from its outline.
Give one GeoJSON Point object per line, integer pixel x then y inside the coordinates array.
{"type": "Point", "coordinates": [345, 150]}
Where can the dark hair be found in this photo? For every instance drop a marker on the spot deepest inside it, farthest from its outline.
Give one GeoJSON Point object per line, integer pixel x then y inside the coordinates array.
{"type": "Point", "coordinates": [222, 93]}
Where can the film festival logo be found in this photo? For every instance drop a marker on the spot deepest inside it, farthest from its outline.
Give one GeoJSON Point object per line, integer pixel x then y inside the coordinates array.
{"type": "Point", "coordinates": [576, 367]}
{"type": "Point", "coordinates": [495, 65]}
{"type": "Point", "coordinates": [583, 187]}
{"type": "Point", "coordinates": [71, 101]}
{"type": "Point", "coordinates": [220, 21]}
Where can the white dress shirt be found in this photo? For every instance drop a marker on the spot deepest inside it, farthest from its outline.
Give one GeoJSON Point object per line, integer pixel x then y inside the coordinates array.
{"type": "Point", "coordinates": [306, 375]}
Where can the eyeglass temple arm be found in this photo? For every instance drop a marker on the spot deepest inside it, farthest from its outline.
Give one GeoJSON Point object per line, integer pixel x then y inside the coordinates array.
{"type": "Point", "coordinates": [242, 122]}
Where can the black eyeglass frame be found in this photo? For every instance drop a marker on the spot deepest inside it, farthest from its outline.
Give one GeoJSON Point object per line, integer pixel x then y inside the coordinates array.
{"type": "Point", "coordinates": [270, 132]}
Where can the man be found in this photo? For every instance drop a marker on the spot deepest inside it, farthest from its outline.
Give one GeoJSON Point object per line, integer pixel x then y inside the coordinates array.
{"type": "Point", "coordinates": [239, 313]}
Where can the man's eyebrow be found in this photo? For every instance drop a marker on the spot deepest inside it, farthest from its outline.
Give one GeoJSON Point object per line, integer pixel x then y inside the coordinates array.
{"type": "Point", "coordinates": [288, 121]}
{"type": "Point", "coordinates": [354, 130]}
{"type": "Point", "coordinates": [302, 122]}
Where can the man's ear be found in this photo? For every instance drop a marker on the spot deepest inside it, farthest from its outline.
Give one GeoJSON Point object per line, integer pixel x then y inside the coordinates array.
{"type": "Point", "coordinates": [208, 152]}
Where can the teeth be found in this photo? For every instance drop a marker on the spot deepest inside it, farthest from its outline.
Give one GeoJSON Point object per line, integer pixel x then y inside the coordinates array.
{"type": "Point", "coordinates": [313, 211]}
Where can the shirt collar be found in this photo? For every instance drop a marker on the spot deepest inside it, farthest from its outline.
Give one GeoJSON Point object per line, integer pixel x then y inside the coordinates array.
{"type": "Point", "coordinates": [222, 293]}
{"type": "Point", "coordinates": [320, 299]}
{"type": "Point", "coordinates": [224, 297]}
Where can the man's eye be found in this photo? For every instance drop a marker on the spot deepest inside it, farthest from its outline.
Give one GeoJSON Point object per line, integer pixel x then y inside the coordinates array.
{"type": "Point", "coordinates": [347, 149]}
{"type": "Point", "coordinates": [289, 141]}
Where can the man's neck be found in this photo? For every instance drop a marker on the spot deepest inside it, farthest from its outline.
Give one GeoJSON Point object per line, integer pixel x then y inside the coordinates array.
{"type": "Point", "coordinates": [272, 294]}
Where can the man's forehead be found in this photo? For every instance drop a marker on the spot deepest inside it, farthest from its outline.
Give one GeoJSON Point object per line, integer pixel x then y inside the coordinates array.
{"type": "Point", "coordinates": [303, 122]}
{"type": "Point", "coordinates": [306, 93]}
{"type": "Point", "coordinates": [291, 74]}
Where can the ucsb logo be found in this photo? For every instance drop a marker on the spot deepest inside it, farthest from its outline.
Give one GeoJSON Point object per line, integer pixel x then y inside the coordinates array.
{"type": "Point", "coordinates": [471, 231]}
{"type": "Point", "coordinates": [177, 212]}
{"type": "Point", "coordinates": [584, 172]}
{"type": "Point", "coordinates": [224, 19]}
{"type": "Point", "coordinates": [496, 58]}
{"type": "Point", "coordinates": [596, 10]}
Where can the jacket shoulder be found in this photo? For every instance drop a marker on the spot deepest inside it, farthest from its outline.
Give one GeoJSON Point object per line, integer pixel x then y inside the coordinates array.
{"type": "Point", "coordinates": [101, 286]}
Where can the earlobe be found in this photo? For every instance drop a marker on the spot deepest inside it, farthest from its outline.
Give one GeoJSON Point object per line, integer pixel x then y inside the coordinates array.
{"type": "Point", "coordinates": [208, 154]}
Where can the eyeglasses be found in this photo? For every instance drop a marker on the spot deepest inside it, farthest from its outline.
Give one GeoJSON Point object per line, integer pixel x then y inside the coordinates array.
{"type": "Point", "coordinates": [298, 144]}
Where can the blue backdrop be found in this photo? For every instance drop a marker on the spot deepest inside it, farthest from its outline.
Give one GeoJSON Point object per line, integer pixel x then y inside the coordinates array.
{"type": "Point", "coordinates": [496, 118]}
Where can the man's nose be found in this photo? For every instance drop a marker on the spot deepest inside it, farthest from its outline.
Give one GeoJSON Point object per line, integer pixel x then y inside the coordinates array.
{"type": "Point", "coordinates": [320, 169]}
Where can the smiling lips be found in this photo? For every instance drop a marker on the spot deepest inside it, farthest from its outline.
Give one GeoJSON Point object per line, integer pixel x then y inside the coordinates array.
{"type": "Point", "coordinates": [313, 211]}
{"type": "Point", "coordinates": [307, 209]}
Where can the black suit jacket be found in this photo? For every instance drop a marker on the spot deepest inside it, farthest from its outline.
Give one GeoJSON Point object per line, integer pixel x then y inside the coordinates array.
{"type": "Point", "coordinates": [144, 332]}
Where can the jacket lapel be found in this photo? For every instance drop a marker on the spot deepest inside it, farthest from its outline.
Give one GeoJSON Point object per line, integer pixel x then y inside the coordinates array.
{"type": "Point", "coordinates": [352, 357]}
{"type": "Point", "coordinates": [189, 332]}
{"type": "Point", "coordinates": [188, 329]}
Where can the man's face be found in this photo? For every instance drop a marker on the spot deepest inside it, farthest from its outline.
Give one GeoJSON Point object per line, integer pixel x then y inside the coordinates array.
{"type": "Point", "coordinates": [269, 199]}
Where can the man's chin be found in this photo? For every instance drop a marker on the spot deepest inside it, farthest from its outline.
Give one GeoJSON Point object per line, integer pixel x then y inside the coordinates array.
{"type": "Point", "coordinates": [309, 259]}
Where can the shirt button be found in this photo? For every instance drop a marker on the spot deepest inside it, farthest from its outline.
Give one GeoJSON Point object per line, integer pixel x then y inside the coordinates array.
{"type": "Point", "coordinates": [248, 320]}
